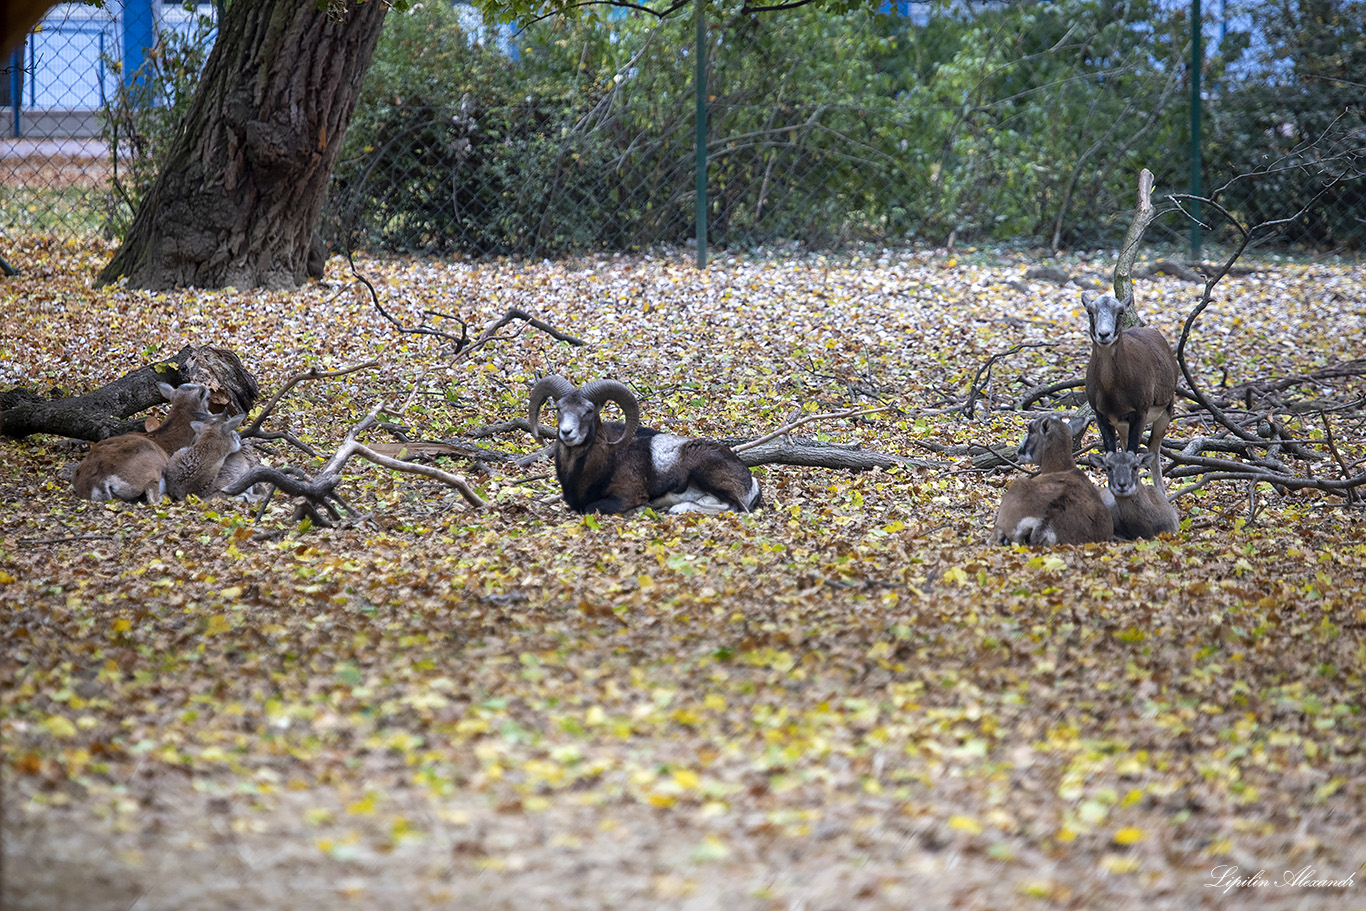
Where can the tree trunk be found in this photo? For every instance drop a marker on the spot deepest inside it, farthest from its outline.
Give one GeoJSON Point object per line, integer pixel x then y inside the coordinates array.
{"type": "Point", "coordinates": [238, 200]}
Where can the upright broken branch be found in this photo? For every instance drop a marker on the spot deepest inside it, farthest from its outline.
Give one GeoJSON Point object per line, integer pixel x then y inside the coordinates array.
{"type": "Point", "coordinates": [1133, 240]}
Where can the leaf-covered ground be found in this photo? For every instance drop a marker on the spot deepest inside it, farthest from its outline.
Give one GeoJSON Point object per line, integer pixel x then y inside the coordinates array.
{"type": "Point", "coordinates": [846, 700]}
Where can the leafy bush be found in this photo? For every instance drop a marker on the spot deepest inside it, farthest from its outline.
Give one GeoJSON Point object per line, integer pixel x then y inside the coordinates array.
{"type": "Point", "coordinates": [1290, 118]}
{"type": "Point", "coordinates": [457, 146]}
{"type": "Point", "coordinates": [1022, 122]}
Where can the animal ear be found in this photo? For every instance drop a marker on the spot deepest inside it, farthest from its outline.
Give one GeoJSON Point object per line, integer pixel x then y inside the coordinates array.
{"type": "Point", "coordinates": [1087, 299]}
{"type": "Point", "coordinates": [1077, 424]}
{"type": "Point", "coordinates": [235, 421]}
{"type": "Point", "coordinates": [167, 391]}
{"type": "Point", "coordinates": [1095, 460]}
{"type": "Point", "coordinates": [151, 423]}
{"type": "Point", "coordinates": [197, 427]}
{"type": "Point", "coordinates": [1145, 459]}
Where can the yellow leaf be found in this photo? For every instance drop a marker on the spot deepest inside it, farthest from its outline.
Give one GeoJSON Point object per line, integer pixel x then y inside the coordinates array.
{"type": "Point", "coordinates": [1036, 888]}
{"type": "Point", "coordinates": [217, 624]}
{"type": "Point", "coordinates": [1116, 864]}
{"type": "Point", "coordinates": [5, 578]}
{"type": "Point", "coordinates": [1130, 835]}
{"type": "Point", "coordinates": [965, 824]}
{"type": "Point", "coordinates": [686, 779]}
{"type": "Point", "coordinates": [122, 625]}
{"type": "Point", "coordinates": [58, 726]}
{"type": "Point", "coordinates": [363, 807]}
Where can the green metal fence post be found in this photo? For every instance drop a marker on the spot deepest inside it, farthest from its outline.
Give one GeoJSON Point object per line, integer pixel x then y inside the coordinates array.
{"type": "Point", "coordinates": [1197, 60]}
{"type": "Point", "coordinates": [701, 166]}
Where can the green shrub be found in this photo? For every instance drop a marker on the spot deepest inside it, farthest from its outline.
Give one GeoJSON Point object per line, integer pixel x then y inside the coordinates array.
{"type": "Point", "coordinates": [1027, 122]}
{"type": "Point", "coordinates": [1291, 120]}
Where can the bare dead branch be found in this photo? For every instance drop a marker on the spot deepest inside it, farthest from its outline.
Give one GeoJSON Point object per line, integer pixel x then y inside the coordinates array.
{"type": "Point", "coordinates": [424, 329]}
{"type": "Point", "coordinates": [1206, 297]}
{"type": "Point", "coordinates": [69, 539]}
{"type": "Point", "coordinates": [978, 385]}
{"type": "Point", "coordinates": [1041, 392]}
{"type": "Point", "coordinates": [425, 471]}
{"type": "Point", "coordinates": [516, 313]}
{"type": "Point", "coordinates": [1265, 388]}
{"type": "Point", "coordinates": [268, 436]}
{"type": "Point", "coordinates": [813, 454]}
{"type": "Point", "coordinates": [318, 492]}
{"type": "Point", "coordinates": [807, 419]}
{"type": "Point", "coordinates": [1337, 456]}
{"type": "Point", "coordinates": [311, 374]}
{"type": "Point", "coordinates": [518, 424]}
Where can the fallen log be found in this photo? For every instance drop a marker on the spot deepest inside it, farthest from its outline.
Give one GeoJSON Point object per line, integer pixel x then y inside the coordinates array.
{"type": "Point", "coordinates": [105, 412]}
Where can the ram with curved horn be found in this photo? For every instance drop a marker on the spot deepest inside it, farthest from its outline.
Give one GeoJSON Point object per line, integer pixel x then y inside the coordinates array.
{"type": "Point", "coordinates": [615, 466]}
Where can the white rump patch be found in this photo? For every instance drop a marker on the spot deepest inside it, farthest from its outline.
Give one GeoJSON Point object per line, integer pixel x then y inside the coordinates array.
{"type": "Point", "coordinates": [690, 500]}
{"type": "Point", "coordinates": [705, 503]}
{"type": "Point", "coordinates": [1032, 530]}
{"type": "Point", "coordinates": [115, 487]}
{"type": "Point", "coordinates": [664, 449]}
{"type": "Point", "coordinates": [753, 492]}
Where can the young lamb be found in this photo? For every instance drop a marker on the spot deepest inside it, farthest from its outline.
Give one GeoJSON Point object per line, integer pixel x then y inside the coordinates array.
{"type": "Point", "coordinates": [1139, 510]}
{"type": "Point", "coordinates": [195, 468]}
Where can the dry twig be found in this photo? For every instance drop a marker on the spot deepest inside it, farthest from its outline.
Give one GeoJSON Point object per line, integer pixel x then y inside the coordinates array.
{"type": "Point", "coordinates": [807, 419]}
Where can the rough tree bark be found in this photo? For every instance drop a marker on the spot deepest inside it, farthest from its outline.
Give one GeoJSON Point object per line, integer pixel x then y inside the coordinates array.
{"type": "Point", "coordinates": [238, 200]}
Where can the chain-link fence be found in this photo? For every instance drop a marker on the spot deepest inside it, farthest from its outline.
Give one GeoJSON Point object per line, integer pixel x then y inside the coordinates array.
{"type": "Point", "coordinates": [87, 103]}
{"type": "Point", "coordinates": [916, 122]}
